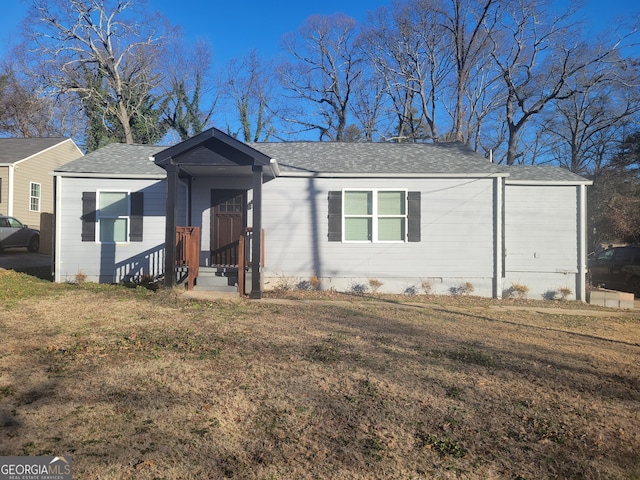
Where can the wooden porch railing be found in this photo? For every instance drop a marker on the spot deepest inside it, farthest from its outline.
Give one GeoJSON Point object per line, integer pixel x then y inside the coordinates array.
{"type": "Point", "coordinates": [188, 252]}
{"type": "Point", "coordinates": [226, 256]}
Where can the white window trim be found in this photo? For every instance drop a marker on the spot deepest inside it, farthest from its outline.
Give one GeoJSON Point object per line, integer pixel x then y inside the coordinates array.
{"type": "Point", "coordinates": [374, 214]}
{"type": "Point", "coordinates": [32, 197]}
{"type": "Point", "coordinates": [99, 216]}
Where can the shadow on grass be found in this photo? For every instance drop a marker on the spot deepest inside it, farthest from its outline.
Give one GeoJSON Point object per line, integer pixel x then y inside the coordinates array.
{"type": "Point", "coordinates": [43, 273]}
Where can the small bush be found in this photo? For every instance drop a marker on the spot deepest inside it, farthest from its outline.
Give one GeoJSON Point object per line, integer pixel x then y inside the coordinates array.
{"type": "Point", "coordinates": [283, 284]}
{"type": "Point", "coordinates": [314, 283]}
{"type": "Point", "coordinates": [80, 278]}
{"type": "Point", "coordinates": [375, 284]}
{"type": "Point", "coordinates": [466, 288]}
{"type": "Point", "coordinates": [427, 286]}
{"type": "Point", "coordinates": [518, 291]}
{"type": "Point", "coordinates": [565, 292]}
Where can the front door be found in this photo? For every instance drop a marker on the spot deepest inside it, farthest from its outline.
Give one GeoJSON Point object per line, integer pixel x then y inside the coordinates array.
{"type": "Point", "coordinates": [227, 224]}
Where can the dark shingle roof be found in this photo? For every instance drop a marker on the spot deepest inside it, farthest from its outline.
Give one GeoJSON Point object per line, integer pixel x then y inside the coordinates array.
{"type": "Point", "coordinates": [117, 159]}
{"type": "Point", "coordinates": [13, 150]}
{"type": "Point", "coordinates": [336, 158]}
{"type": "Point", "coordinates": [542, 173]}
{"type": "Point", "coordinates": [377, 158]}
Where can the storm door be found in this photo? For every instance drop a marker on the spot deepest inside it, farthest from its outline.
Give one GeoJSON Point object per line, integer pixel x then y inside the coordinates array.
{"type": "Point", "coordinates": [228, 222]}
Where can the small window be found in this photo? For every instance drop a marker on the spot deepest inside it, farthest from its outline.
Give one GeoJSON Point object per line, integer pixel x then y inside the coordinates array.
{"type": "Point", "coordinates": [34, 198]}
{"type": "Point", "coordinates": [233, 205]}
{"type": "Point", "coordinates": [375, 215]}
{"type": "Point", "coordinates": [113, 217]}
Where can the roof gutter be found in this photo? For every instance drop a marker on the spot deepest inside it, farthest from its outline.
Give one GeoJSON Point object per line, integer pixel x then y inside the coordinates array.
{"type": "Point", "coordinates": [548, 182]}
{"type": "Point", "coordinates": [391, 175]}
{"type": "Point", "coordinates": [151, 176]}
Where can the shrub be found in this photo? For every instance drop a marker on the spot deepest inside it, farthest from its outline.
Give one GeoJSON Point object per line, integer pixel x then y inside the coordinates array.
{"type": "Point", "coordinates": [375, 284]}
{"type": "Point", "coordinates": [518, 291]}
{"type": "Point", "coordinates": [427, 286]}
{"type": "Point", "coordinates": [463, 289]}
{"type": "Point", "coordinates": [314, 283]}
{"type": "Point", "coordinates": [564, 292]}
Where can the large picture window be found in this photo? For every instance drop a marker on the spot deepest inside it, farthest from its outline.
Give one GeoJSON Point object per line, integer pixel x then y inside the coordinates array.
{"type": "Point", "coordinates": [375, 215]}
{"type": "Point", "coordinates": [34, 197]}
{"type": "Point", "coordinates": [113, 217]}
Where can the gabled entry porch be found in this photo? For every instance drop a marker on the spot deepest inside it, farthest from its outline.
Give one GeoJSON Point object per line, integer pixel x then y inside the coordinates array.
{"type": "Point", "coordinates": [214, 182]}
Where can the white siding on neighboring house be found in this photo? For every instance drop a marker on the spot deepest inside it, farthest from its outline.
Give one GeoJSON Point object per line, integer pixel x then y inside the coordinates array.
{"type": "Point", "coordinates": [541, 238]}
{"type": "Point", "coordinates": [108, 262]}
{"type": "Point", "coordinates": [457, 236]}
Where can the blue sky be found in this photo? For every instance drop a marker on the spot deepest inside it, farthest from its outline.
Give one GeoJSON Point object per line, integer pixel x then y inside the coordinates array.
{"type": "Point", "coordinates": [235, 27]}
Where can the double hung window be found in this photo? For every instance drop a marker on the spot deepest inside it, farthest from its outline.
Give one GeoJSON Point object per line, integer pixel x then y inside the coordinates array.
{"type": "Point", "coordinates": [375, 215]}
{"type": "Point", "coordinates": [113, 217]}
{"type": "Point", "coordinates": [34, 197]}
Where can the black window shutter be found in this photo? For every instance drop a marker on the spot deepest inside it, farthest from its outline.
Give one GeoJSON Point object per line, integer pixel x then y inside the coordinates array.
{"type": "Point", "coordinates": [88, 216]}
{"type": "Point", "coordinates": [137, 215]}
{"type": "Point", "coordinates": [335, 216]}
{"type": "Point", "coordinates": [413, 217]}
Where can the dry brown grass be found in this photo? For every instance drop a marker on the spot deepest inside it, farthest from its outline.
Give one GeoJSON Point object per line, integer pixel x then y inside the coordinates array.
{"type": "Point", "coordinates": [152, 386]}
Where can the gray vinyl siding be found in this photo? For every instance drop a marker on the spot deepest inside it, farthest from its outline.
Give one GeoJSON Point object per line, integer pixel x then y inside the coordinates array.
{"type": "Point", "coordinates": [109, 263]}
{"type": "Point", "coordinates": [457, 228]}
{"type": "Point", "coordinates": [541, 237]}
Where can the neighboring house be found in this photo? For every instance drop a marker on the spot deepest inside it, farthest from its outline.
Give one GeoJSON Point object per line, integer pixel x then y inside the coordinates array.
{"type": "Point", "coordinates": [26, 183]}
{"type": "Point", "coordinates": [409, 216]}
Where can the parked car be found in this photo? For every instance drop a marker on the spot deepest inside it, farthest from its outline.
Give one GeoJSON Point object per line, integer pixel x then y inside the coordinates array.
{"type": "Point", "coordinates": [617, 268]}
{"type": "Point", "coordinates": [14, 233]}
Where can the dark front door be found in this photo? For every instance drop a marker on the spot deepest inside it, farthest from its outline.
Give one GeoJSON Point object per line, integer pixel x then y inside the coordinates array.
{"type": "Point", "coordinates": [227, 224]}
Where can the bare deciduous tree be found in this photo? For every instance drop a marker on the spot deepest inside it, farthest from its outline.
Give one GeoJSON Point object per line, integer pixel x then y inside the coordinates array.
{"type": "Point", "coordinates": [105, 51]}
{"type": "Point", "coordinates": [248, 86]}
{"type": "Point", "coordinates": [539, 55]}
{"type": "Point", "coordinates": [23, 113]}
{"type": "Point", "coordinates": [469, 24]}
{"type": "Point", "coordinates": [189, 84]}
{"type": "Point", "coordinates": [326, 66]}
{"type": "Point", "coordinates": [406, 45]}
{"type": "Point", "coordinates": [582, 128]}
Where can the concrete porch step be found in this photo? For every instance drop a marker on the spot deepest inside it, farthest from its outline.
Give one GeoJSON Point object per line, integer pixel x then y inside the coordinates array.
{"type": "Point", "coordinates": [217, 279]}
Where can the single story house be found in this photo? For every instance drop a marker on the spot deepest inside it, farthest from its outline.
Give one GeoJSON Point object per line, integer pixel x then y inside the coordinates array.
{"type": "Point", "coordinates": [26, 184]}
{"type": "Point", "coordinates": [348, 216]}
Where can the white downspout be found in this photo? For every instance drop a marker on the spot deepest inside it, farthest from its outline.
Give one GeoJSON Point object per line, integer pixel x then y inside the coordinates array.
{"type": "Point", "coordinates": [57, 229]}
{"type": "Point", "coordinates": [10, 189]}
{"type": "Point", "coordinates": [498, 249]}
{"type": "Point", "coordinates": [581, 286]}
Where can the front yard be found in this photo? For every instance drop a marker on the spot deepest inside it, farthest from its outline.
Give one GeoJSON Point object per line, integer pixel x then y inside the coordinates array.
{"type": "Point", "coordinates": [135, 384]}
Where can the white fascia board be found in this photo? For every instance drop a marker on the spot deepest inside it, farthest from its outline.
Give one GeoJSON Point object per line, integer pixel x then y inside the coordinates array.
{"type": "Point", "coordinates": [46, 150]}
{"type": "Point", "coordinates": [542, 182]}
{"type": "Point", "coordinates": [110, 175]}
{"type": "Point", "coordinates": [392, 175]}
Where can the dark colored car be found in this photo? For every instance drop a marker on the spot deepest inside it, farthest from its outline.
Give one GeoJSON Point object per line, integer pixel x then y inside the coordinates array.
{"type": "Point", "coordinates": [13, 233]}
{"type": "Point", "coordinates": [617, 268]}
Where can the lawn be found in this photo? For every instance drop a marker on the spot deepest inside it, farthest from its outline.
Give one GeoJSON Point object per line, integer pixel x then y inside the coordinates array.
{"type": "Point", "coordinates": [136, 384]}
